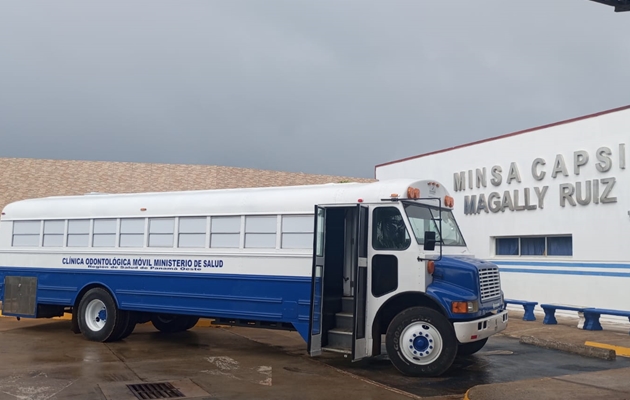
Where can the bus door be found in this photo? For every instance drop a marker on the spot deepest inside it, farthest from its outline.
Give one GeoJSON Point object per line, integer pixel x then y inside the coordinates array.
{"type": "Point", "coordinates": [317, 283]}
{"type": "Point", "coordinates": [360, 265]}
{"type": "Point", "coordinates": [338, 317]}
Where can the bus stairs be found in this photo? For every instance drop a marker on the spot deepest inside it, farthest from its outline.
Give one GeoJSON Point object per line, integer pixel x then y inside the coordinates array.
{"type": "Point", "coordinates": [340, 337]}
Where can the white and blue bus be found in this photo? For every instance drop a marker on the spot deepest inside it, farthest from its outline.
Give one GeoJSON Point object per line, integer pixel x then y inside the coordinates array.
{"type": "Point", "coordinates": [346, 265]}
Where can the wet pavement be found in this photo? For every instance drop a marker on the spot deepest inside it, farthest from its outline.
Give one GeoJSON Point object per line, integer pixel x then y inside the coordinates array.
{"type": "Point", "coordinates": [501, 360]}
{"type": "Point", "coordinates": [609, 384]}
{"type": "Point", "coordinates": [42, 359]}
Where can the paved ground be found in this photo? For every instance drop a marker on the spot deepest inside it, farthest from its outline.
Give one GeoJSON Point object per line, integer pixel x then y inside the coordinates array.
{"type": "Point", "coordinates": [503, 359]}
{"type": "Point", "coordinates": [610, 384]}
{"type": "Point", "coordinates": [42, 359]}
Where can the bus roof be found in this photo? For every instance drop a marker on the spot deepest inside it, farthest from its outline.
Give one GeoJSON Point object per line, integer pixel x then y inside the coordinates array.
{"type": "Point", "coordinates": [284, 199]}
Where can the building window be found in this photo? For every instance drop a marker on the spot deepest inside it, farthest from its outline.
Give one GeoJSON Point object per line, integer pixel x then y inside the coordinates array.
{"type": "Point", "coordinates": [26, 233]}
{"type": "Point", "coordinates": [260, 232]}
{"type": "Point", "coordinates": [560, 246]}
{"type": "Point", "coordinates": [78, 233]}
{"type": "Point", "coordinates": [192, 232]}
{"type": "Point", "coordinates": [132, 232]}
{"type": "Point", "coordinates": [507, 246]}
{"type": "Point", "coordinates": [104, 233]}
{"type": "Point", "coordinates": [161, 232]}
{"type": "Point", "coordinates": [297, 232]}
{"type": "Point", "coordinates": [534, 246]}
{"type": "Point", "coordinates": [225, 232]}
{"type": "Point", "coordinates": [53, 233]}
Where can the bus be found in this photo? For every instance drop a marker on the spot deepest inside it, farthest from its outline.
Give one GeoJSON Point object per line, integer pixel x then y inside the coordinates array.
{"type": "Point", "coordinates": [354, 268]}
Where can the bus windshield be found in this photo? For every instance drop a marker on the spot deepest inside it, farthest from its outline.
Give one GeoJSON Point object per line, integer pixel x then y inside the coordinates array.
{"type": "Point", "coordinates": [424, 218]}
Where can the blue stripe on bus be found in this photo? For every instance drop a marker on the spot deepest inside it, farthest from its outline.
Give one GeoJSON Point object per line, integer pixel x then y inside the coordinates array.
{"type": "Point", "coordinates": [561, 264]}
{"type": "Point", "coordinates": [275, 298]}
{"type": "Point", "coordinates": [566, 272]}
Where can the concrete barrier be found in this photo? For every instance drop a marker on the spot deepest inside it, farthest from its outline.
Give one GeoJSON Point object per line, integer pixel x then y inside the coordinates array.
{"type": "Point", "coordinates": [583, 350]}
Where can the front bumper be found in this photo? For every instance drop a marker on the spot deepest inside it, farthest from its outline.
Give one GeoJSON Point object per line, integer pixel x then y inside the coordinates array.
{"type": "Point", "coordinates": [472, 331]}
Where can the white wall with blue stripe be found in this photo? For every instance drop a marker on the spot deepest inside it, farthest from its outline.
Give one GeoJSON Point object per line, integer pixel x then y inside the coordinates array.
{"type": "Point", "coordinates": [549, 205]}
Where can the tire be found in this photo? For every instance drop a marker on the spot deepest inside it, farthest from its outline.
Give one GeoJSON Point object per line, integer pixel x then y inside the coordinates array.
{"type": "Point", "coordinates": [126, 323]}
{"type": "Point", "coordinates": [421, 342]}
{"type": "Point", "coordinates": [466, 349]}
{"type": "Point", "coordinates": [168, 323]}
{"type": "Point", "coordinates": [192, 321]}
{"type": "Point", "coordinates": [99, 318]}
{"type": "Point", "coordinates": [74, 325]}
{"type": "Point", "coordinates": [143, 317]}
{"type": "Point", "coordinates": [131, 325]}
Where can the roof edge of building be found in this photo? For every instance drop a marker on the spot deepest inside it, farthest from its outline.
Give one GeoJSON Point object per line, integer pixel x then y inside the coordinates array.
{"type": "Point", "coordinates": [597, 114]}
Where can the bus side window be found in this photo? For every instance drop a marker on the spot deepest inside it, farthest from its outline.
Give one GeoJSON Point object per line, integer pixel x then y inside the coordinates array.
{"type": "Point", "coordinates": [104, 233]}
{"type": "Point", "coordinates": [161, 232]}
{"type": "Point", "coordinates": [78, 233]}
{"type": "Point", "coordinates": [192, 232]}
{"type": "Point", "coordinates": [132, 232]}
{"type": "Point", "coordinates": [388, 230]}
{"type": "Point", "coordinates": [297, 232]}
{"type": "Point", "coordinates": [225, 232]}
{"type": "Point", "coordinates": [53, 233]}
{"type": "Point", "coordinates": [26, 233]}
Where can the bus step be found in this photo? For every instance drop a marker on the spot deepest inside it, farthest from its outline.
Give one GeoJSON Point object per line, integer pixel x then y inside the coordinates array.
{"type": "Point", "coordinates": [347, 305]}
{"type": "Point", "coordinates": [344, 321]}
{"type": "Point", "coordinates": [336, 350]}
{"type": "Point", "coordinates": [340, 338]}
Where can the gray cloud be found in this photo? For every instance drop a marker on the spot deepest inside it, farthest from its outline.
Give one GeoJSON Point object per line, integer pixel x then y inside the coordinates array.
{"type": "Point", "coordinates": [323, 86]}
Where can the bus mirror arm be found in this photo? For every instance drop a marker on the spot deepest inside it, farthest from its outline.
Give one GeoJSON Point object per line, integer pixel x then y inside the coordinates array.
{"type": "Point", "coordinates": [429, 245]}
{"type": "Point", "coordinates": [434, 257]}
{"type": "Point", "coordinates": [429, 241]}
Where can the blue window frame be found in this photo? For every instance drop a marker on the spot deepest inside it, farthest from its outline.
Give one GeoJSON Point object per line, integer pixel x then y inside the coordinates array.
{"type": "Point", "coordinates": [537, 246]}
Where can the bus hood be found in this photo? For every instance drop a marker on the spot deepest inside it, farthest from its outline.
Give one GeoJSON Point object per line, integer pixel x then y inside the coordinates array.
{"type": "Point", "coordinates": [465, 278]}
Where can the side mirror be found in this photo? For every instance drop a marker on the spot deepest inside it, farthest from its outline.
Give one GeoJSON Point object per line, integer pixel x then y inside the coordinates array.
{"type": "Point", "coordinates": [429, 241]}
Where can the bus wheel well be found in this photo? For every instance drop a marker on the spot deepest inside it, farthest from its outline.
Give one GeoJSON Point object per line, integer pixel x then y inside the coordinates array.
{"type": "Point", "coordinates": [75, 307]}
{"type": "Point", "coordinates": [83, 291]}
{"type": "Point", "coordinates": [397, 304]}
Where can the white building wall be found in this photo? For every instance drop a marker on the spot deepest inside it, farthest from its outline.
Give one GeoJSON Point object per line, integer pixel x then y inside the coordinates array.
{"type": "Point", "coordinates": [598, 272]}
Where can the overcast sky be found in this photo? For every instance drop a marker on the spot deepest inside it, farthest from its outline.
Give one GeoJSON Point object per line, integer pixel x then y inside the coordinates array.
{"type": "Point", "coordinates": [317, 86]}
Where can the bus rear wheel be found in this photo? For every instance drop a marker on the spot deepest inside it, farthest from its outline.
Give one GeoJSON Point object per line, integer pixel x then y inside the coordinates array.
{"type": "Point", "coordinates": [168, 323]}
{"type": "Point", "coordinates": [421, 342]}
{"type": "Point", "coordinates": [192, 321]}
{"type": "Point", "coordinates": [130, 326]}
{"type": "Point", "coordinates": [99, 318]}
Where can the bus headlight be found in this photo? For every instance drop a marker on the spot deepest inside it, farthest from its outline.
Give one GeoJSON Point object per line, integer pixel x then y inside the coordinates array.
{"type": "Point", "coordinates": [464, 307]}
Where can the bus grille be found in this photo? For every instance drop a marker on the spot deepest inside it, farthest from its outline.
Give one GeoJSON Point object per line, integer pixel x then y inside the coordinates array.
{"type": "Point", "coordinates": [489, 283]}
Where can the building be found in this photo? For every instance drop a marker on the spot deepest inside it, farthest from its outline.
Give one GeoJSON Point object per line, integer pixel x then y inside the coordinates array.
{"type": "Point", "coordinates": [619, 5]}
{"type": "Point", "coordinates": [24, 178]}
{"type": "Point", "coordinates": [549, 205]}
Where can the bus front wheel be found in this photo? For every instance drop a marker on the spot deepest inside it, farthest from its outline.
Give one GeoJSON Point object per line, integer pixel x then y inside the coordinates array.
{"type": "Point", "coordinates": [466, 349]}
{"type": "Point", "coordinates": [421, 342]}
{"type": "Point", "coordinates": [99, 318]}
